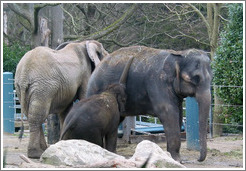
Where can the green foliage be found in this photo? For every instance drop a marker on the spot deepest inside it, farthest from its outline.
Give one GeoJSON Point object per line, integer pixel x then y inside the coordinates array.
{"type": "Point", "coordinates": [228, 65]}
{"type": "Point", "coordinates": [12, 55]}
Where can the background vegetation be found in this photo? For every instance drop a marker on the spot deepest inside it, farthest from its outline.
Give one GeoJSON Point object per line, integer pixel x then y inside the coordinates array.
{"type": "Point", "coordinates": [12, 55]}
{"type": "Point", "coordinates": [228, 66]}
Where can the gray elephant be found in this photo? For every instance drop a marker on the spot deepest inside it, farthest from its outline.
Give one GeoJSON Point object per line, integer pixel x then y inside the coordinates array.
{"type": "Point", "coordinates": [98, 116]}
{"type": "Point", "coordinates": [47, 81]}
{"type": "Point", "coordinates": [158, 80]}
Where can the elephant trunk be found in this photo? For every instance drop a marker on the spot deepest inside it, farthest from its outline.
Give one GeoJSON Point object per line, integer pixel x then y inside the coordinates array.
{"type": "Point", "coordinates": [204, 102]}
{"type": "Point", "coordinates": [123, 77]}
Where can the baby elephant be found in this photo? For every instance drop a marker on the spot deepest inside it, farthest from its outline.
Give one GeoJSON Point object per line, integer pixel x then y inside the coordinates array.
{"type": "Point", "coordinates": [98, 117]}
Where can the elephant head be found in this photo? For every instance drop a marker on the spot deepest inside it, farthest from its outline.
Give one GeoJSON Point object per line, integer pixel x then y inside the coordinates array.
{"type": "Point", "coordinates": [193, 78]}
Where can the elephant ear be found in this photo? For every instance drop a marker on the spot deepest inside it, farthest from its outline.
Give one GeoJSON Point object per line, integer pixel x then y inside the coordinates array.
{"type": "Point", "coordinates": [95, 51]}
{"type": "Point", "coordinates": [171, 65]}
{"type": "Point", "coordinates": [177, 69]}
{"type": "Point", "coordinates": [183, 75]}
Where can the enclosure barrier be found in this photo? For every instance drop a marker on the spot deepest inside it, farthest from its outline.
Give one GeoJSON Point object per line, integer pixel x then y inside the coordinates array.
{"type": "Point", "coordinates": [192, 124]}
{"type": "Point", "coordinates": [8, 103]}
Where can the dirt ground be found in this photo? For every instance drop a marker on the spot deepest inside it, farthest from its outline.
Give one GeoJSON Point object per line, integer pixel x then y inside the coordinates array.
{"type": "Point", "coordinates": [223, 152]}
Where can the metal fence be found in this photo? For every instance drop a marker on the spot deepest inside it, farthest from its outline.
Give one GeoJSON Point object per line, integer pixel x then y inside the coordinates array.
{"type": "Point", "coordinates": [228, 127]}
{"type": "Point", "coordinates": [17, 108]}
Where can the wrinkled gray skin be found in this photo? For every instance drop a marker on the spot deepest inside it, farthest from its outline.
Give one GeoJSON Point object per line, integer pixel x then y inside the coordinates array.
{"type": "Point", "coordinates": [158, 80]}
{"type": "Point", "coordinates": [98, 116]}
{"type": "Point", "coordinates": [47, 81]}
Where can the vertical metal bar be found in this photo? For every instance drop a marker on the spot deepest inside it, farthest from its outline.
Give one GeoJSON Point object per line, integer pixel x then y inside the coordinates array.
{"type": "Point", "coordinates": [192, 124]}
{"type": "Point", "coordinates": [8, 103]}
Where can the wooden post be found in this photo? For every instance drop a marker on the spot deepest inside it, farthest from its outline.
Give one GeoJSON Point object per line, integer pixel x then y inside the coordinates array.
{"type": "Point", "coordinates": [128, 124]}
{"type": "Point", "coordinates": [53, 126]}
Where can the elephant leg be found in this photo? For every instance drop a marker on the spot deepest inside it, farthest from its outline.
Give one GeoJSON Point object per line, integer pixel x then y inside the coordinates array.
{"type": "Point", "coordinates": [37, 114]}
{"type": "Point", "coordinates": [94, 136]}
{"type": "Point", "coordinates": [34, 146]}
{"type": "Point", "coordinates": [171, 121]}
{"type": "Point", "coordinates": [111, 141]}
{"type": "Point", "coordinates": [166, 107]}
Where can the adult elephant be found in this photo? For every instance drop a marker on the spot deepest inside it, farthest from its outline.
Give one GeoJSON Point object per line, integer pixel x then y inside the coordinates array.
{"type": "Point", "coordinates": [47, 81]}
{"type": "Point", "coordinates": [158, 80]}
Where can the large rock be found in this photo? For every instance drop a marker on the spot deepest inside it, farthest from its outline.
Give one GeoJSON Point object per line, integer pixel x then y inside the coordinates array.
{"type": "Point", "coordinates": [158, 157]}
{"type": "Point", "coordinates": [80, 153]}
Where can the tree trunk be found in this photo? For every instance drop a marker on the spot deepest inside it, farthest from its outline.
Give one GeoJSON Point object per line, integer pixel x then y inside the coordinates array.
{"type": "Point", "coordinates": [56, 16]}
{"type": "Point", "coordinates": [56, 26]}
{"type": "Point", "coordinates": [217, 127]}
{"type": "Point", "coordinates": [214, 26]}
{"type": "Point", "coordinates": [5, 26]}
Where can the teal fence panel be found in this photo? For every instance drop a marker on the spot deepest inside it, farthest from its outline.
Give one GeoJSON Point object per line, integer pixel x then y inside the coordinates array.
{"type": "Point", "coordinates": [192, 124]}
{"type": "Point", "coordinates": [8, 103]}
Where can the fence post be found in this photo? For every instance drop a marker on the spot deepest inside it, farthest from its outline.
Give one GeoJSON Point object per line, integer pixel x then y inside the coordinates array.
{"type": "Point", "coordinates": [53, 128]}
{"type": "Point", "coordinates": [128, 123]}
{"type": "Point", "coordinates": [8, 103]}
{"type": "Point", "coordinates": [192, 124]}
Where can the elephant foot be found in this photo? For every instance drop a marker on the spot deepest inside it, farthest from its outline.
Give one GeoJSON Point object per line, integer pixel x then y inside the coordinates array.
{"type": "Point", "coordinates": [44, 146]}
{"type": "Point", "coordinates": [176, 157]}
{"type": "Point", "coordinates": [34, 153]}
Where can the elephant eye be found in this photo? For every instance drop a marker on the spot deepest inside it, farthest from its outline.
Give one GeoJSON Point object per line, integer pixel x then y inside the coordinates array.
{"type": "Point", "coordinates": [196, 79]}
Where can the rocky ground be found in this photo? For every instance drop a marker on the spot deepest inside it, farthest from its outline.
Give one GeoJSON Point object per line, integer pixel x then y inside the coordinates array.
{"type": "Point", "coordinates": [223, 152]}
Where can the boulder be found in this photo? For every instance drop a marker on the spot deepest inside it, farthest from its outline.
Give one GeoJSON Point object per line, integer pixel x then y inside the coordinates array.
{"type": "Point", "coordinates": [157, 157]}
{"type": "Point", "coordinates": [83, 154]}
{"type": "Point", "coordinates": [80, 153]}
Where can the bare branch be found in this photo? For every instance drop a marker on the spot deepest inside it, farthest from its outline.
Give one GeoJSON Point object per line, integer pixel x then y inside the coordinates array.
{"type": "Point", "coordinates": [23, 13]}
{"type": "Point", "coordinates": [201, 15]}
{"type": "Point", "coordinates": [73, 22]}
{"type": "Point", "coordinates": [191, 37]}
{"type": "Point", "coordinates": [108, 29]}
{"type": "Point", "coordinates": [223, 18]}
{"type": "Point", "coordinates": [113, 26]}
{"type": "Point", "coordinates": [40, 6]}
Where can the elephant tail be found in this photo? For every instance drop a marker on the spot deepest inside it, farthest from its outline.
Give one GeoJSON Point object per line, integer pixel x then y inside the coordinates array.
{"type": "Point", "coordinates": [64, 130]}
{"type": "Point", "coordinates": [63, 133]}
{"type": "Point", "coordinates": [22, 97]}
{"type": "Point", "coordinates": [124, 74]}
